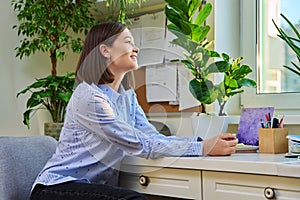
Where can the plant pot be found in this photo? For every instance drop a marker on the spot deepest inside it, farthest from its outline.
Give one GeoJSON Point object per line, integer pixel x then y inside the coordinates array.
{"type": "Point", "coordinates": [53, 129]}
{"type": "Point", "coordinates": [207, 126]}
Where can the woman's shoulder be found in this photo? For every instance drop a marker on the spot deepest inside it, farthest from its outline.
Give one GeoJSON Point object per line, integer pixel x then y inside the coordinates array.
{"type": "Point", "coordinates": [88, 90]}
{"type": "Point", "coordinates": [130, 92]}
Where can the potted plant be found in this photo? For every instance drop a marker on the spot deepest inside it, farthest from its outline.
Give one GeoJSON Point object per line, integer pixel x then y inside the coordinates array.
{"type": "Point", "coordinates": [292, 42]}
{"type": "Point", "coordinates": [191, 32]}
{"type": "Point", "coordinates": [50, 27]}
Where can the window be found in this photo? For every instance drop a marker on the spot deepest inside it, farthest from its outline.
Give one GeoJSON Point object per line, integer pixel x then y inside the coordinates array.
{"type": "Point", "coordinates": [274, 52]}
{"type": "Point", "coordinates": [262, 48]}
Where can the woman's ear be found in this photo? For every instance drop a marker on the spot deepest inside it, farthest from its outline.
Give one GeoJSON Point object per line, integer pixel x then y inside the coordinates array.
{"type": "Point", "coordinates": [104, 50]}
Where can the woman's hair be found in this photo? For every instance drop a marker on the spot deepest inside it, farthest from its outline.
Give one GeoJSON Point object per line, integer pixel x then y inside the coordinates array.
{"type": "Point", "coordinates": [92, 65]}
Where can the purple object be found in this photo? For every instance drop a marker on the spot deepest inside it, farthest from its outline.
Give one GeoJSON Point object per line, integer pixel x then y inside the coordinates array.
{"type": "Point", "coordinates": [250, 122]}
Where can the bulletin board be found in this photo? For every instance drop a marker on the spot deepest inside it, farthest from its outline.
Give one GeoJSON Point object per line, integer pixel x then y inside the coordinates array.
{"type": "Point", "coordinates": [153, 40]}
{"type": "Point", "coordinates": [157, 107]}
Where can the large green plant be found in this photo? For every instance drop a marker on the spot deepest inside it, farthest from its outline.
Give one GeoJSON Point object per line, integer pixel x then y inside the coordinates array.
{"type": "Point", "coordinates": [50, 26]}
{"type": "Point", "coordinates": [292, 42]}
{"type": "Point", "coordinates": [191, 31]}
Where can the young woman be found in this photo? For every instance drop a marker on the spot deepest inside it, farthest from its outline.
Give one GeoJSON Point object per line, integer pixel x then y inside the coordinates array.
{"type": "Point", "coordinates": [104, 121]}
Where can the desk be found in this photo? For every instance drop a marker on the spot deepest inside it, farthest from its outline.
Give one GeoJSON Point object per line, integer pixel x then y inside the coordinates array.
{"type": "Point", "coordinates": [239, 176]}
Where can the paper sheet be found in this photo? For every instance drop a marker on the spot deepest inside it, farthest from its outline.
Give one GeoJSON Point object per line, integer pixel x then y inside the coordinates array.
{"type": "Point", "coordinates": [161, 83]}
{"type": "Point", "coordinates": [152, 39]}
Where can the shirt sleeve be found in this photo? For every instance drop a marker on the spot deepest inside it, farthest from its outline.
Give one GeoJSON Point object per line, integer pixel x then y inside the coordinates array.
{"type": "Point", "coordinates": [94, 112]}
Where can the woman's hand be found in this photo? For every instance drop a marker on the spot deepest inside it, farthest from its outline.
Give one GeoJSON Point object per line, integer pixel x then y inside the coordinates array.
{"type": "Point", "coordinates": [221, 145]}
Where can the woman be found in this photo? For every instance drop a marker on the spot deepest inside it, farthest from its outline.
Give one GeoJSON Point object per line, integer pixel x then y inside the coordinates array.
{"type": "Point", "coordinates": [104, 121]}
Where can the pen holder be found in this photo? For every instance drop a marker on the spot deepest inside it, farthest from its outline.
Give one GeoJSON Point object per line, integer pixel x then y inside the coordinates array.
{"type": "Point", "coordinates": [273, 140]}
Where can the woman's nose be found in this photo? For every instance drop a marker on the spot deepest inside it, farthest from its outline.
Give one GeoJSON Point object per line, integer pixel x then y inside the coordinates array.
{"type": "Point", "coordinates": [136, 49]}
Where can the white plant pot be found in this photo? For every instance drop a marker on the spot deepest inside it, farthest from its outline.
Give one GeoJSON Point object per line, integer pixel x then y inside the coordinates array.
{"type": "Point", "coordinates": [207, 126]}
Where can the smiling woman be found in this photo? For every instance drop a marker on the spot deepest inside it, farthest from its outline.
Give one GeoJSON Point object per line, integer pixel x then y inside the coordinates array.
{"type": "Point", "coordinates": [122, 55]}
{"type": "Point", "coordinates": [104, 122]}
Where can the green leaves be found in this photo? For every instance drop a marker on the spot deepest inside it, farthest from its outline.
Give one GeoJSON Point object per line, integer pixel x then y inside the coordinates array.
{"type": "Point", "coordinates": [52, 26]}
{"type": "Point", "coordinates": [203, 13]}
{"type": "Point", "coordinates": [52, 93]}
{"type": "Point", "coordinates": [193, 6]}
{"type": "Point", "coordinates": [218, 67]}
{"type": "Point", "coordinates": [192, 37]}
{"type": "Point", "coordinates": [178, 18]}
{"type": "Point", "coordinates": [46, 25]}
{"type": "Point", "coordinates": [180, 13]}
{"type": "Point", "coordinates": [178, 5]}
{"type": "Point", "coordinates": [234, 77]}
{"type": "Point", "coordinates": [203, 90]}
{"type": "Point", "coordinates": [118, 10]}
{"type": "Point", "coordinates": [292, 42]}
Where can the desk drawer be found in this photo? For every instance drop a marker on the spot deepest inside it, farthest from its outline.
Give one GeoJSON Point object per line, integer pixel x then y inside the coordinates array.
{"type": "Point", "coordinates": [221, 185]}
{"type": "Point", "coordinates": [178, 183]}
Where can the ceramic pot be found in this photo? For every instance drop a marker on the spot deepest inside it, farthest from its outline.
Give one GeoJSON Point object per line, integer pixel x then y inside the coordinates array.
{"type": "Point", "coordinates": [207, 126]}
{"type": "Point", "coordinates": [53, 129]}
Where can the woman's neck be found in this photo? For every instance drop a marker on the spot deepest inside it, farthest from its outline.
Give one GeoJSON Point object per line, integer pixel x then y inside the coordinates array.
{"type": "Point", "coordinates": [116, 83]}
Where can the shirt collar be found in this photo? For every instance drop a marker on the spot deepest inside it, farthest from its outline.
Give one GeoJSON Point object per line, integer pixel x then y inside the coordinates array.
{"type": "Point", "coordinates": [111, 93]}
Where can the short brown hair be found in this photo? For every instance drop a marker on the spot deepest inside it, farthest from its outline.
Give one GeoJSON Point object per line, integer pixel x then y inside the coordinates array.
{"type": "Point", "coordinates": [92, 67]}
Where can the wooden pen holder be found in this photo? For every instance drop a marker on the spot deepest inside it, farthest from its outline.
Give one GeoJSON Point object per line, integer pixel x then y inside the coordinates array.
{"type": "Point", "coordinates": [273, 140]}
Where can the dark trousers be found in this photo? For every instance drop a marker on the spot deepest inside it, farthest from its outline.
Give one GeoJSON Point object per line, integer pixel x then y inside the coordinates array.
{"type": "Point", "coordinates": [83, 191]}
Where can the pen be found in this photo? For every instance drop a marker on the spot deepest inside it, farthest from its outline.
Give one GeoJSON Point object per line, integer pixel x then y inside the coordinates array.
{"type": "Point", "coordinates": [269, 121]}
{"type": "Point", "coordinates": [269, 115]}
{"type": "Point", "coordinates": [281, 122]}
{"type": "Point", "coordinates": [267, 118]}
{"type": "Point", "coordinates": [262, 123]}
{"type": "Point", "coordinates": [275, 123]}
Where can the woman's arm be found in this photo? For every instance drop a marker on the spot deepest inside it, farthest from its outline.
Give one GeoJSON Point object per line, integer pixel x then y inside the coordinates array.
{"type": "Point", "coordinates": [93, 111]}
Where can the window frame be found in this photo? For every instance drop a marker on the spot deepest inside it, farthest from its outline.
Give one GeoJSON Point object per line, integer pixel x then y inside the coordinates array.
{"type": "Point", "coordinates": [284, 103]}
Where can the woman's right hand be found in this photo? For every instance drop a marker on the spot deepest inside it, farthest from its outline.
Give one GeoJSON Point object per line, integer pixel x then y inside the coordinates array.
{"type": "Point", "coordinates": [221, 145]}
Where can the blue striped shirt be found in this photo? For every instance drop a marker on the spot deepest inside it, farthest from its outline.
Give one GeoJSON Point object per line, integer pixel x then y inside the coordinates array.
{"type": "Point", "coordinates": [102, 125]}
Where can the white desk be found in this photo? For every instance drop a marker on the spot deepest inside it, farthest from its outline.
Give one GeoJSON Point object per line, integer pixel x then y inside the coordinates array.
{"type": "Point", "coordinates": [240, 176]}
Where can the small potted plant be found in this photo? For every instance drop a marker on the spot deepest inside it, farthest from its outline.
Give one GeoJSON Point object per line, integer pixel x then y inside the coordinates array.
{"type": "Point", "coordinates": [50, 27]}
{"type": "Point", "coordinates": [191, 32]}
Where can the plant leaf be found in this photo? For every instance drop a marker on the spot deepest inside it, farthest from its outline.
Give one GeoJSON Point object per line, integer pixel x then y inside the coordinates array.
{"type": "Point", "coordinates": [203, 91]}
{"type": "Point", "coordinates": [246, 82]}
{"type": "Point", "coordinates": [203, 14]}
{"type": "Point", "coordinates": [218, 67]}
{"type": "Point", "coordinates": [179, 5]}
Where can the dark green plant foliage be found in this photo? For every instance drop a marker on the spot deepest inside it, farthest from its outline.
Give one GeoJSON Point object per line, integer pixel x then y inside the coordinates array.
{"type": "Point", "coordinates": [292, 42]}
{"type": "Point", "coordinates": [191, 36]}
{"type": "Point", "coordinates": [46, 26]}
{"type": "Point", "coordinates": [53, 27]}
{"type": "Point", "coordinates": [52, 93]}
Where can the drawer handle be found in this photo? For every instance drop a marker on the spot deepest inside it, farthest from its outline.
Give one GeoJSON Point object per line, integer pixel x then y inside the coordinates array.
{"type": "Point", "coordinates": [144, 180]}
{"type": "Point", "coordinates": [269, 193]}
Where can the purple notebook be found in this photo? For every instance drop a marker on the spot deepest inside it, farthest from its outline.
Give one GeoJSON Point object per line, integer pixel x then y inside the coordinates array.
{"type": "Point", "coordinates": [250, 122]}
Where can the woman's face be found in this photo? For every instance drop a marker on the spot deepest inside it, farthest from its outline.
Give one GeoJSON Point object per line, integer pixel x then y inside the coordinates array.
{"type": "Point", "coordinates": [123, 54]}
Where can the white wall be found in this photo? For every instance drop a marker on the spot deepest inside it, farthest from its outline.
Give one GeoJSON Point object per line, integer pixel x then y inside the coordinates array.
{"type": "Point", "coordinates": [227, 38]}
{"type": "Point", "coordinates": [16, 74]}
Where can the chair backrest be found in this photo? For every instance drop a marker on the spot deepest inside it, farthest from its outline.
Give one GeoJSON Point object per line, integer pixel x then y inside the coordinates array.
{"type": "Point", "coordinates": [161, 127]}
{"type": "Point", "coordinates": [21, 159]}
